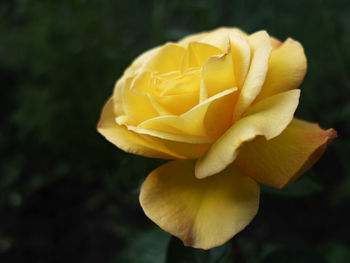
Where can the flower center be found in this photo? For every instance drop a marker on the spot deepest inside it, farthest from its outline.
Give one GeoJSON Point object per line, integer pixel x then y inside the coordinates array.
{"type": "Point", "coordinates": [176, 83]}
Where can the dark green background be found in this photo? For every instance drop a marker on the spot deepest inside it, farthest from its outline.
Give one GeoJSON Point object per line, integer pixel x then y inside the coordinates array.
{"type": "Point", "coordinates": [68, 195]}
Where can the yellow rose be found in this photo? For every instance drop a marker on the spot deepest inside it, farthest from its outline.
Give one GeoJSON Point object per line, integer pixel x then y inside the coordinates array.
{"type": "Point", "coordinates": [221, 104]}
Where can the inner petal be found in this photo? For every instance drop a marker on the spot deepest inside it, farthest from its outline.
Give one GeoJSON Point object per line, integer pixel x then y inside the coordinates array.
{"type": "Point", "coordinates": [183, 83]}
{"type": "Point", "coordinates": [183, 88]}
{"type": "Point", "coordinates": [132, 103]}
{"type": "Point", "coordinates": [217, 75]}
{"type": "Point", "coordinates": [197, 53]}
{"type": "Point", "coordinates": [208, 119]}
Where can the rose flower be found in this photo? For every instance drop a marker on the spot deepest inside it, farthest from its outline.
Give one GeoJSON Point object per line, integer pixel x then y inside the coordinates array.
{"type": "Point", "coordinates": [221, 105]}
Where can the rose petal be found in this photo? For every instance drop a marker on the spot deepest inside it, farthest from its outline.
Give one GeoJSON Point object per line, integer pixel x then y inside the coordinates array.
{"type": "Point", "coordinates": [145, 145]}
{"type": "Point", "coordinates": [196, 54]}
{"type": "Point", "coordinates": [135, 104]}
{"type": "Point", "coordinates": [269, 118]}
{"type": "Point", "coordinates": [217, 37]}
{"type": "Point", "coordinates": [140, 61]}
{"type": "Point", "coordinates": [186, 82]}
{"type": "Point", "coordinates": [167, 58]}
{"type": "Point", "coordinates": [126, 140]}
{"type": "Point", "coordinates": [184, 88]}
{"type": "Point", "coordinates": [287, 68]}
{"type": "Point", "coordinates": [261, 48]}
{"type": "Point", "coordinates": [208, 119]}
{"type": "Point", "coordinates": [202, 213]}
{"type": "Point", "coordinates": [275, 43]}
{"type": "Point", "coordinates": [240, 50]}
{"type": "Point", "coordinates": [283, 159]}
{"type": "Point", "coordinates": [171, 102]}
{"type": "Point", "coordinates": [217, 75]}
{"type": "Point", "coordinates": [188, 138]}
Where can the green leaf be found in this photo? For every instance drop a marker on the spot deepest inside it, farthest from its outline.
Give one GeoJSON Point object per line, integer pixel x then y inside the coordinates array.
{"type": "Point", "coordinates": [290, 255]}
{"type": "Point", "coordinates": [335, 252]}
{"type": "Point", "coordinates": [178, 253]}
{"type": "Point", "coordinates": [305, 186]}
{"type": "Point", "coordinates": [150, 247]}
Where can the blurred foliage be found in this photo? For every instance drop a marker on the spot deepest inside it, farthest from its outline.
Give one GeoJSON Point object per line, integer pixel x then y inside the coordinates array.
{"type": "Point", "coordinates": [67, 195]}
{"type": "Point", "coordinates": [303, 187]}
{"type": "Point", "coordinates": [177, 253]}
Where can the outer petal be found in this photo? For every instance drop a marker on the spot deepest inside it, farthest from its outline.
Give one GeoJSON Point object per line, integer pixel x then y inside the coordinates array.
{"type": "Point", "coordinates": [124, 139]}
{"type": "Point", "coordinates": [138, 107]}
{"type": "Point", "coordinates": [187, 138]}
{"type": "Point", "coordinates": [240, 57]}
{"type": "Point", "coordinates": [217, 37]}
{"type": "Point", "coordinates": [275, 43]}
{"type": "Point", "coordinates": [283, 159]}
{"type": "Point", "coordinates": [287, 68]}
{"type": "Point", "coordinates": [202, 213]}
{"type": "Point", "coordinates": [192, 38]}
{"type": "Point", "coordinates": [145, 145]}
{"type": "Point", "coordinates": [260, 44]}
{"type": "Point", "coordinates": [268, 118]}
{"type": "Point", "coordinates": [140, 61]}
{"type": "Point", "coordinates": [130, 100]}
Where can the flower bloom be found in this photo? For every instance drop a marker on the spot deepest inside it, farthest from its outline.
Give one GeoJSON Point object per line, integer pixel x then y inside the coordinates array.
{"type": "Point", "coordinates": [221, 105]}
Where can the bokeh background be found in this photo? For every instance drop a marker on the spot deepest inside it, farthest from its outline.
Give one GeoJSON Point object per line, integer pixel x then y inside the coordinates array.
{"type": "Point", "coordinates": [68, 195]}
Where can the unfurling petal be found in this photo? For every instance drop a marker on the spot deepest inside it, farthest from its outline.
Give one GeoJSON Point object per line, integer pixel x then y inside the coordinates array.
{"type": "Point", "coordinates": [287, 68]}
{"type": "Point", "coordinates": [261, 48]}
{"type": "Point", "coordinates": [197, 53]}
{"type": "Point", "coordinates": [275, 43]}
{"type": "Point", "coordinates": [283, 159]}
{"type": "Point", "coordinates": [203, 120]}
{"type": "Point", "coordinates": [167, 58]}
{"type": "Point", "coordinates": [240, 50]}
{"type": "Point", "coordinates": [145, 145]}
{"type": "Point", "coordinates": [202, 213]}
{"type": "Point", "coordinates": [217, 75]}
{"type": "Point", "coordinates": [140, 61]}
{"type": "Point", "coordinates": [123, 138]}
{"type": "Point", "coordinates": [184, 88]}
{"type": "Point", "coordinates": [269, 118]}
{"type": "Point", "coordinates": [217, 38]}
